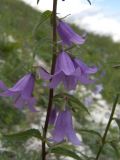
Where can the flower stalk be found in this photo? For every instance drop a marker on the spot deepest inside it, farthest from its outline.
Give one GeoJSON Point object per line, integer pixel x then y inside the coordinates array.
{"type": "Point", "coordinates": [107, 127]}
{"type": "Point", "coordinates": [51, 91]}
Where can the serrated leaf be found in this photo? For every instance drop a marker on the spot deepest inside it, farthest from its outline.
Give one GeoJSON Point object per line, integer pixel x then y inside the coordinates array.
{"type": "Point", "coordinates": [23, 136]}
{"type": "Point", "coordinates": [65, 152]}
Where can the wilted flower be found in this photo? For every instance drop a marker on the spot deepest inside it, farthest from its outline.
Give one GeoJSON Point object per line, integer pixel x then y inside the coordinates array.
{"type": "Point", "coordinates": [67, 35]}
{"type": "Point", "coordinates": [64, 128]}
{"type": "Point", "coordinates": [21, 92]}
{"type": "Point", "coordinates": [69, 71]}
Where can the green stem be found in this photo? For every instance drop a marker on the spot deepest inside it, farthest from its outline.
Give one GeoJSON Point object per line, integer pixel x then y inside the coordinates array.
{"type": "Point", "coordinates": [107, 127]}
{"type": "Point", "coordinates": [51, 92]}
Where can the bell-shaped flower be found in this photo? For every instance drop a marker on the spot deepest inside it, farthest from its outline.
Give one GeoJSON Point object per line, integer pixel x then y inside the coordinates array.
{"type": "Point", "coordinates": [64, 129]}
{"type": "Point", "coordinates": [64, 72]}
{"type": "Point", "coordinates": [69, 71]}
{"type": "Point", "coordinates": [22, 92]}
{"type": "Point", "coordinates": [84, 71]}
{"type": "Point", "coordinates": [67, 35]}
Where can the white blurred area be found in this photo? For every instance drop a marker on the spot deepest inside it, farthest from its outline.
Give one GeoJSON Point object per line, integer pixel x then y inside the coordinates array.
{"type": "Point", "coordinates": [92, 18]}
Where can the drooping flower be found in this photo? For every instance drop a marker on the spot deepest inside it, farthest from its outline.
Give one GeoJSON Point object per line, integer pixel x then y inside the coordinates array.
{"type": "Point", "coordinates": [64, 72]}
{"type": "Point", "coordinates": [64, 128]}
{"type": "Point", "coordinates": [22, 92]}
{"type": "Point", "coordinates": [69, 71]}
{"type": "Point", "coordinates": [67, 35]}
{"type": "Point", "coordinates": [85, 71]}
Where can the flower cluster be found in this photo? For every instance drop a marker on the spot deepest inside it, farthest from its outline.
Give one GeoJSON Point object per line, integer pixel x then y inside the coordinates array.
{"type": "Point", "coordinates": [69, 71]}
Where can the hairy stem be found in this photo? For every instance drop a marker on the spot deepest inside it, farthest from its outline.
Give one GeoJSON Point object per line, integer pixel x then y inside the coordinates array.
{"type": "Point", "coordinates": [107, 127]}
{"type": "Point", "coordinates": [52, 72]}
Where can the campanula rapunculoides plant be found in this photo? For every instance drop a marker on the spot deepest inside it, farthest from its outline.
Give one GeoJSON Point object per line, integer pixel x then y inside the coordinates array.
{"type": "Point", "coordinates": [68, 70]}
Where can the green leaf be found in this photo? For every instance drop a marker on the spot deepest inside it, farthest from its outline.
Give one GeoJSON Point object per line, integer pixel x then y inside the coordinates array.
{"type": "Point", "coordinates": [78, 104]}
{"type": "Point", "coordinates": [114, 146]}
{"type": "Point", "coordinates": [23, 136]}
{"type": "Point", "coordinates": [44, 16]}
{"type": "Point", "coordinates": [72, 101]}
{"type": "Point", "coordinates": [91, 132]}
{"type": "Point", "coordinates": [65, 152]}
{"type": "Point", "coordinates": [117, 121]}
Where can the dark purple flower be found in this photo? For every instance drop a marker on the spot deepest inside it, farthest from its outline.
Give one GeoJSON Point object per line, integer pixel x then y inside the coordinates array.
{"type": "Point", "coordinates": [69, 71]}
{"type": "Point", "coordinates": [53, 116]}
{"type": "Point", "coordinates": [21, 92]}
{"type": "Point", "coordinates": [67, 35]}
{"type": "Point", "coordinates": [64, 128]}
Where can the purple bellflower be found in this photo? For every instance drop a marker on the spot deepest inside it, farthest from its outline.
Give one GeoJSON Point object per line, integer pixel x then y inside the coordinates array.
{"type": "Point", "coordinates": [21, 92]}
{"type": "Point", "coordinates": [64, 128]}
{"type": "Point", "coordinates": [69, 71]}
{"type": "Point", "coordinates": [64, 71]}
{"type": "Point", "coordinates": [67, 35]}
{"type": "Point", "coordinates": [84, 71]}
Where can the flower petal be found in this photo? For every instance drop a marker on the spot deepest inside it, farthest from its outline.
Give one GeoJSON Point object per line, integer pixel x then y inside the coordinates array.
{"type": "Point", "coordinates": [19, 102]}
{"type": "Point", "coordinates": [58, 133]}
{"type": "Point", "coordinates": [70, 82]}
{"type": "Point", "coordinates": [31, 102]}
{"type": "Point", "coordinates": [73, 138]}
{"type": "Point", "coordinates": [56, 80]}
{"type": "Point", "coordinates": [28, 89]}
{"type": "Point", "coordinates": [84, 68]}
{"type": "Point", "coordinates": [3, 86]}
{"type": "Point", "coordinates": [77, 39]}
{"type": "Point", "coordinates": [44, 74]}
{"type": "Point", "coordinates": [67, 34]}
{"type": "Point", "coordinates": [65, 64]}
{"type": "Point", "coordinates": [20, 85]}
{"type": "Point", "coordinates": [53, 116]}
{"type": "Point", "coordinates": [70, 133]}
{"type": "Point", "coordinates": [84, 79]}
